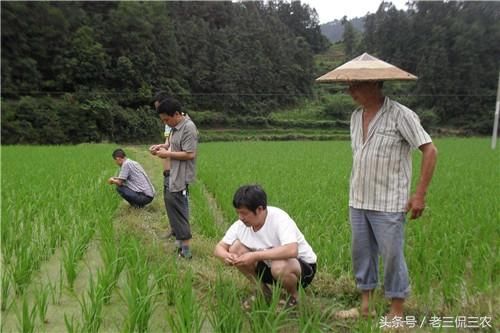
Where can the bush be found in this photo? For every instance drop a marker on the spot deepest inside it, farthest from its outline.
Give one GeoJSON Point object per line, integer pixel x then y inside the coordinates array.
{"type": "Point", "coordinates": [339, 107]}
{"type": "Point", "coordinates": [50, 120]}
{"type": "Point", "coordinates": [428, 117]}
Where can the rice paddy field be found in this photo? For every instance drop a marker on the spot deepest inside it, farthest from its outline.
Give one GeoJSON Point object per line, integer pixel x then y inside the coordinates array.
{"type": "Point", "coordinates": [76, 258]}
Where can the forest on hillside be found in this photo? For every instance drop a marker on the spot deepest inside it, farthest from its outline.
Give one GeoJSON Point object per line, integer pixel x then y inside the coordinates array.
{"type": "Point", "coordinates": [454, 49]}
{"type": "Point", "coordinates": [84, 71]}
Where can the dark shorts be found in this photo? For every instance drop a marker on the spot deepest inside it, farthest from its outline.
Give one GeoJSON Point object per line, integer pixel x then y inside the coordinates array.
{"type": "Point", "coordinates": [307, 272]}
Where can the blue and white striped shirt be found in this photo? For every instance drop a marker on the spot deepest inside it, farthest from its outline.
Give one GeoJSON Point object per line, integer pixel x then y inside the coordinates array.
{"type": "Point", "coordinates": [136, 178]}
{"type": "Point", "coordinates": [382, 165]}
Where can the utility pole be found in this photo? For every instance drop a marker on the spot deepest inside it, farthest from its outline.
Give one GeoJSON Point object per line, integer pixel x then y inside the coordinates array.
{"type": "Point", "coordinates": [497, 112]}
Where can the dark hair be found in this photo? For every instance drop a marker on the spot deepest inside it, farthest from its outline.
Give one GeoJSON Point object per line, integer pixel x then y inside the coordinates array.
{"type": "Point", "coordinates": [158, 97]}
{"type": "Point", "coordinates": [250, 197]}
{"type": "Point", "coordinates": [169, 106]}
{"type": "Point", "coordinates": [118, 153]}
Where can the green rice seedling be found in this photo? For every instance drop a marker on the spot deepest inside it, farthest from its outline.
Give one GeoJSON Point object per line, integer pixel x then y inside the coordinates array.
{"type": "Point", "coordinates": [310, 317]}
{"type": "Point", "coordinates": [106, 282]}
{"type": "Point", "coordinates": [22, 269]}
{"type": "Point", "coordinates": [268, 316]}
{"type": "Point", "coordinates": [72, 253]}
{"type": "Point", "coordinates": [91, 306]}
{"type": "Point", "coordinates": [107, 277]}
{"type": "Point", "coordinates": [203, 213]}
{"type": "Point", "coordinates": [139, 292]}
{"type": "Point", "coordinates": [56, 288]}
{"type": "Point", "coordinates": [140, 304]}
{"type": "Point", "coordinates": [224, 312]}
{"type": "Point", "coordinates": [71, 325]}
{"type": "Point", "coordinates": [42, 302]}
{"type": "Point", "coordinates": [167, 277]}
{"type": "Point", "coordinates": [26, 318]}
{"type": "Point", "coordinates": [186, 315]}
{"type": "Point", "coordinates": [6, 287]}
{"type": "Point", "coordinates": [52, 287]}
{"type": "Point", "coordinates": [113, 261]}
{"type": "Point", "coordinates": [70, 265]}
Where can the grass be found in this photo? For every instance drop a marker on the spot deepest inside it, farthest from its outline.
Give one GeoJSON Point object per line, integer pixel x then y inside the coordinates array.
{"type": "Point", "coordinates": [451, 251]}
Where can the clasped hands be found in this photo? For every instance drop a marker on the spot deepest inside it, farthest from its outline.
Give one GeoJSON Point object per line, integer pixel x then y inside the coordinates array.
{"type": "Point", "coordinates": [245, 259]}
{"type": "Point", "coordinates": [160, 150]}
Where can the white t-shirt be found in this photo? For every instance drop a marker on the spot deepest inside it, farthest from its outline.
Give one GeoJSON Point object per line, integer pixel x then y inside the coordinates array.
{"type": "Point", "coordinates": [278, 229]}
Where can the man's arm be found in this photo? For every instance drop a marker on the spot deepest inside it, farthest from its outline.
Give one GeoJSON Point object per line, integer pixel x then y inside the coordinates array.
{"type": "Point", "coordinates": [222, 251]}
{"type": "Point", "coordinates": [287, 251]}
{"type": "Point", "coordinates": [176, 155]}
{"type": "Point", "coordinates": [416, 204]}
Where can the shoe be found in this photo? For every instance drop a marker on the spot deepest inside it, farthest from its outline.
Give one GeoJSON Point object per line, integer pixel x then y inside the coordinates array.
{"type": "Point", "coordinates": [185, 255]}
{"type": "Point", "coordinates": [247, 303]}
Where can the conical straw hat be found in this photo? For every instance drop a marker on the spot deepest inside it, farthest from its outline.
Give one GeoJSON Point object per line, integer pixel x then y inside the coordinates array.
{"type": "Point", "coordinates": [366, 68]}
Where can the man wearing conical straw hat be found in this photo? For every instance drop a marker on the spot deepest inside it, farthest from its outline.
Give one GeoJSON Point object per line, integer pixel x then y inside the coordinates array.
{"type": "Point", "coordinates": [383, 134]}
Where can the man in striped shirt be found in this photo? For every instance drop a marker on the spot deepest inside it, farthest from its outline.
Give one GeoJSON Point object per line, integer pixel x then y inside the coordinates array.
{"type": "Point", "coordinates": [132, 183]}
{"type": "Point", "coordinates": [383, 133]}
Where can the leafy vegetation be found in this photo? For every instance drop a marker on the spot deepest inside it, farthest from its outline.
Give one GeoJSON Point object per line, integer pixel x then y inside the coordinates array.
{"type": "Point", "coordinates": [84, 72]}
{"type": "Point", "coordinates": [129, 278]}
{"type": "Point", "coordinates": [77, 72]}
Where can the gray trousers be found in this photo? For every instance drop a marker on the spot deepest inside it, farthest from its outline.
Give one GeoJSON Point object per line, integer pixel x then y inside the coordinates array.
{"type": "Point", "coordinates": [379, 233]}
{"type": "Point", "coordinates": [177, 206]}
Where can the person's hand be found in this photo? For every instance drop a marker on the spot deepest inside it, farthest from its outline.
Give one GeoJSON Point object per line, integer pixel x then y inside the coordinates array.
{"type": "Point", "coordinates": [230, 259]}
{"type": "Point", "coordinates": [111, 180]}
{"type": "Point", "coordinates": [416, 206]}
{"type": "Point", "coordinates": [162, 152]}
{"type": "Point", "coordinates": [154, 149]}
{"type": "Point", "coordinates": [245, 259]}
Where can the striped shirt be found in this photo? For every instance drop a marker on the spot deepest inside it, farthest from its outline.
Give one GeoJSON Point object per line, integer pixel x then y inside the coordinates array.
{"type": "Point", "coordinates": [136, 178]}
{"type": "Point", "coordinates": [381, 170]}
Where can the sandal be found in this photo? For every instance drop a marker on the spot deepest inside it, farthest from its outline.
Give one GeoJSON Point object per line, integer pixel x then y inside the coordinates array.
{"type": "Point", "coordinates": [292, 303]}
{"type": "Point", "coordinates": [347, 314]}
{"type": "Point", "coordinates": [247, 304]}
{"type": "Point", "coordinates": [354, 314]}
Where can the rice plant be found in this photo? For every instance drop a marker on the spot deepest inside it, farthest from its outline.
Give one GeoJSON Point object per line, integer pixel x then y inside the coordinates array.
{"type": "Point", "coordinates": [186, 315]}
{"type": "Point", "coordinates": [224, 308]}
{"type": "Point", "coordinates": [26, 318]}
{"type": "Point", "coordinates": [72, 252]}
{"type": "Point", "coordinates": [6, 288]}
{"type": "Point", "coordinates": [113, 262]}
{"type": "Point", "coordinates": [22, 268]}
{"type": "Point", "coordinates": [42, 302]}
{"type": "Point", "coordinates": [71, 325]}
{"type": "Point", "coordinates": [310, 317]}
{"type": "Point", "coordinates": [56, 288]}
{"type": "Point", "coordinates": [91, 306]}
{"type": "Point", "coordinates": [268, 315]}
{"type": "Point", "coordinates": [167, 277]}
{"type": "Point", "coordinates": [139, 292]}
